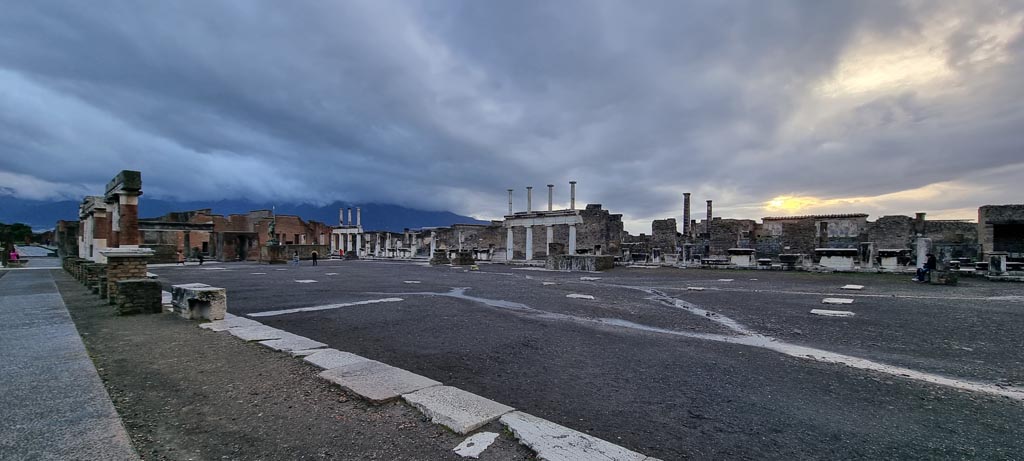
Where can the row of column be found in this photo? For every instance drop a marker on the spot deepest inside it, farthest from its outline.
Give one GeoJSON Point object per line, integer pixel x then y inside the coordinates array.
{"type": "Point", "coordinates": [346, 242]}
{"type": "Point", "coordinates": [510, 246]}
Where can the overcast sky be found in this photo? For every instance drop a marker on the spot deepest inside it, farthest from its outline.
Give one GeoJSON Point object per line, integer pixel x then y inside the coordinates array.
{"type": "Point", "coordinates": [766, 107]}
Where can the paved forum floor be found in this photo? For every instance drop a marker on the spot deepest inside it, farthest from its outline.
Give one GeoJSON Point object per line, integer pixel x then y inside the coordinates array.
{"type": "Point", "coordinates": [680, 363]}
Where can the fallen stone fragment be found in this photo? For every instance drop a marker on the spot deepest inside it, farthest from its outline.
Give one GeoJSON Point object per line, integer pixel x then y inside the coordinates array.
{"type": "Point", "coordinates": [475, 444]}
{"type": "Point", "coordinates": [376, 381]}
{"type": "Point", "coordinates": [828, 313]}
{"type": "Point", "coordinates": [579, 296]}
{"type": "Point", "coordinates": [852, 287]}
{"type": "Point", "coordinates": [837, 301]}
{"type": "Point", "coordinates": [333, 358]}
{"type": "Point", "coordinates": [257, 333]}
{"type": "Point", "coordinates": [554, 442]}
{"type": "Point", "coordinates": [455, 408]}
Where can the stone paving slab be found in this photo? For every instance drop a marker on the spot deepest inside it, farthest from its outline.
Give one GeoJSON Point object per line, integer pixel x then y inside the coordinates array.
{"type": "Point", "coordinates": [230, 321]}
{"type": "Point", "coordinates": [554, 442]}
{"type": "Point", "coordinates": [376, 381]}
{"type": "Point", "coordinates": [52, 402]}
{"type": "Point", "coordinates": [475, 444]}
{"type": "Point", "coordinates": [333, 358]}
{"type": "Point", "coordinates": [291, 342]}
{"type": "Point", "coordinates": [456, 409]}
{"type": "Point", "coordinates": [258, 333]}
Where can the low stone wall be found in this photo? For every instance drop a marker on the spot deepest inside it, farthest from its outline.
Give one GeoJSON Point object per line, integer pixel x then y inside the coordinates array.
{"type": "Point", "coordinates": [587, 263]}
{"type": "Point", "coordinates": [138, 296]}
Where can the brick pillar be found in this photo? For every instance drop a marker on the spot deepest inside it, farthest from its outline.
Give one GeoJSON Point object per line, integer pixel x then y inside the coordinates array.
{"type": "Point", "coordinates": [129, 216]}
{"type": "Point", "coordinates": [124, 264]}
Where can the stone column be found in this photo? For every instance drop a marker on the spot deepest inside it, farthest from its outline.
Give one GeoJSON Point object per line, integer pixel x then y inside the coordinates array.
{"type": "Point", "coordinates": [124, 264]}
{"type": "Point", "coordinates": [509, 202]}
{"type": "Point", "coordinates": [572, 239]}
{"type": "Point", "coordinates": [122, 199]}
{"type": "Point", "coordinates": [529, 243]}
{"type": "Point", "coordinates": [341, 216]}
{"type": "Point", "coordinates": [686, 214]}
{"type": "Point", "coordinates": [924, 246]}
{"type": "Point", "coordinates": [551, 197]}
{"type": "Point", "coordinates": [433, 243]}
{"type": "Point", "coordinates": [350, 216]}
{"type": "Point", "coordinates": [572, 195]}
{"type": "Point", "coordinates": [460, 240]}
{"type": "Point", "coordinates": [529, 199]}
{"type": "Point", "coordinates": [509, 248]}
{"type": "Point", "coordinates": [128, 209]}
{"type": "Point", "coordinates": [359, 217]}
{"type": "Point", "coordinates": [359, 244]}
{"type": "Point", "coordinates": [550, 237]}
{"type": "Point", "coordinates": [707, 223]}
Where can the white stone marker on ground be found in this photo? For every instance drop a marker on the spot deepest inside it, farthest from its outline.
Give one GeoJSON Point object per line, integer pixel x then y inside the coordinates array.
{"type": "Point", "coordinates": [456, 409]}
{"type": "Point", "coordinates": [333, 358]}
{"type": "Point", "coordinates": [258, 333]}
{"type": "Point", "coordinates": [589, 279]}
{"type": "Point", "coordinates": [837, 301]}
{"type": "Point", "coordinates": [554, 442]}
{"type": "Point", "coordinates": [377, 381]}
{"type": "Point", "coordinates": [579, 296]}
{"type": "Point", "coordinates": [852, 287]}
{"type": "Point", "coordinates": [549, 283]}
{"type": "Point", "coordinates": [475, 444]}
{"type": "Point", "coordinates": [258, 273]}
{"type": "Point", "coordinates": [230, 321]}
{"type": "Point", "coordinates": [305, 281]}
{"type": "Point", "coordinates": [695, 288]}
{"type": "Point", "coordinates": [725, 280]}
{"type": "Point", "coordinates": [828, 313]}
{"type": "Point", "coordinates": [292, 342]}
{"type": "Point", "coordinates": [410, 281]}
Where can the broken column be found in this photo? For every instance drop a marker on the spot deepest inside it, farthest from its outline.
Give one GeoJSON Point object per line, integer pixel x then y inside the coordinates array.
{"type": "Point", "coordinates": [122, 198]}
{"type": "Point", "coordinates": [686, 215]}
{"type": "Point", "coordinates": [95, 226]}
{"type": "Point", "coordinates": [707, 223]}
{"type": "Point", "coordinates": [510, 201]}
{"type": "Point", "coordinates": [529, 199]}
{"type": "Point", "coordinates": [572, 196]}
{"type": "Point", "coordinates": [551, 198]}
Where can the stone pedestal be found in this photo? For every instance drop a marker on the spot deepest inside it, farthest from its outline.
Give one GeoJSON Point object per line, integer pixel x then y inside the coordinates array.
{"type": "Point", "coordinates": [138, 296]}
{"type": "Point", "coordinates": [741, 257]}
{"type": "Point", "coordinates": [198, 301]}
{"type": "Point", "coordinates": [840, 259]}
{"type": "Point", "coordinates": [273, 254]}
{"type": "Point", "coordinates": [464, 258]}
{"type": "Point", "coordinates": [440, 257]}
{"type": "Point", "coordinates": [888, 258]}
{"type": "Point", "coordinates": [124, 264]}
{"type": "Point", "coordinates": [997, 262]}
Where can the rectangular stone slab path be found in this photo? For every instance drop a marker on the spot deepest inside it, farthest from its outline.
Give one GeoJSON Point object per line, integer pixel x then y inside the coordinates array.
{"type": "Point", "coordinates": [53, 403]}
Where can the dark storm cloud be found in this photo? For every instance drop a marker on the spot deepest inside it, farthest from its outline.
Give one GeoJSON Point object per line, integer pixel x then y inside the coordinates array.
{"type": "Point", "coordinates": [446, 104]}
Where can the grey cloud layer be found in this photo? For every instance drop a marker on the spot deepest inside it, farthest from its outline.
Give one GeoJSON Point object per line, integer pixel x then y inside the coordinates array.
{"type": "Point", "coordinates": [444, 105]}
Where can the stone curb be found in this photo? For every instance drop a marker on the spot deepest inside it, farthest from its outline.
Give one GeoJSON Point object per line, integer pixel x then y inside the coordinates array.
{"type": "Point", "coordinates": [461, 411]}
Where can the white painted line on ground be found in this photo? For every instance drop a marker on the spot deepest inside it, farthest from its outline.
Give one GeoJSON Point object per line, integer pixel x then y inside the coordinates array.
{"type": "Point", "coordinates": [549, 283]}
{"type": "Point", "coordinates": [837, 301]}
{"type": "Point", "coordinates": [456, 409]}
{"type": "Point", "coordinates": [280, 269]}
{"type": "Point", "coordinates": [258, 273]}
{"type": "Point", "coordinates": [695, 288]}
{"type": "Point", "coordinates": [725, 280]}
{"type": "Point", "coordinates": [376, 381]}
{"type": "Point", "coordinates": [331, 273]}
{"type": "Point", "coordinates": [828, 313]}
{"type": "Point", "coordinates": [333, 358]}
{"type": "Point", "coordinates": [305, 281]}
{"type": "Point", "coordinates": [292, 342]}
{"type": "Point", "coordinates": [852, 287]}
{"type": "Point", "coordinates": [589, 279]}
{"type": "Point", "coordinates": [410, 281]}
{"type": "Point", "coordinates": [475, 444]}
{"type": "Point", "coordinates": [579, 296]}
{"type": "Point", "coordinates": [258, 333]}
{"type": "Point", "coordinates": [555, 442]}
{"type": "Point", "coordinates": [324, 307]}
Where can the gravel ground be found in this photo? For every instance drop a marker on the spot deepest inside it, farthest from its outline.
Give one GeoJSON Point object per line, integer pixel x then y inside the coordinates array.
{"type": "Point", "coordinates": [188, 393]}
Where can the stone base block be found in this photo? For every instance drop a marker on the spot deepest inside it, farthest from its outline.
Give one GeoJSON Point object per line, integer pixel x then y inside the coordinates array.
{"type": "Point", "coordinates": [587, 263]}
{"type": "Point", "coordinates": [138, 296]}
{"type": "Point", "coordinates": [197, 301]}
{"type": "Point", "coordinates": [464, 258]}
{"type": "Point", "coordinates": [440, 257]}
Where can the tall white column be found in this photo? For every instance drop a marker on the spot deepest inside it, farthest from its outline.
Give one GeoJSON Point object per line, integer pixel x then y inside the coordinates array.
{"type": "Point", "coordinates": [551, 198]}
{"type": "Point", "coordinates": [510, 201]}
{"type": "Point", "coordinates": [529, 199]}
{"type": "Point", "coordinates": [550, 240]}
{"type": "Point", "coordinates": [572, 239]}
{"type": "Point", "coordinates": [460, 240]}
{"type": "Point", "coordinates": [529, 243]}
{"type": "Point", "coordinates": [572, 195]}
{"type": "Point", "coordinates": [350, 216]}
{"type": "Point", "coordinates": [359, 216]}
{"type": "Point", "coordinates": [359, 245]}
{"type": "Point", "coordinates": [509, 253]}
{"type": "Point", "coordinates": [433, 244]}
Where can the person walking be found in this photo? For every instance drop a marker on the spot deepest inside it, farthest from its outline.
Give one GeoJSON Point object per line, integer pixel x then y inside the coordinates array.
{"type": "Point", "coordinates": [181, 258]}
{"type": "Point", "coordinates": [295, 258]}
{"type": "Point", "coordinates": [200, 254]}
{"type": "Point", "coordinates": [313, 256]}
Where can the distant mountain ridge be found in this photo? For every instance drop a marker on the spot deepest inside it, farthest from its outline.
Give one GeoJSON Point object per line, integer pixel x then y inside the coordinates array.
{"type": "Point", "coordinates": [43, 215]}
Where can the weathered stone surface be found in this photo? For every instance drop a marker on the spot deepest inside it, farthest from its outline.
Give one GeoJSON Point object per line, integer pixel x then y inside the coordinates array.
{"type": "Point", "coordinates": [333, 358]}
{"type": "Point", "coordinates": [475, 444]}
{"type": "Point", "coordinates": [199, 301]}
{"type": "Point", "coordinates": [455, 408]}
{"type": "Point", "coordinates": [376, 381]}
{"type": "Point", "coordinates": [258, 333]}
{"type": "Point", "coordinates": [586, 263]}
{"type": "Point", "coordinates": [230, 321]}
{"type": "Point", "coordinates": [292, 342]}
{"type": "Point", "coordinates": [554, 442]}
{"type": "Point", "coordinates": [138, 296]}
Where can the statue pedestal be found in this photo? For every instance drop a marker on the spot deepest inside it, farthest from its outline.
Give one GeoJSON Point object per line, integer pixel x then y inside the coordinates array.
{"type": "Point", "coordinates": [273, 254]}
